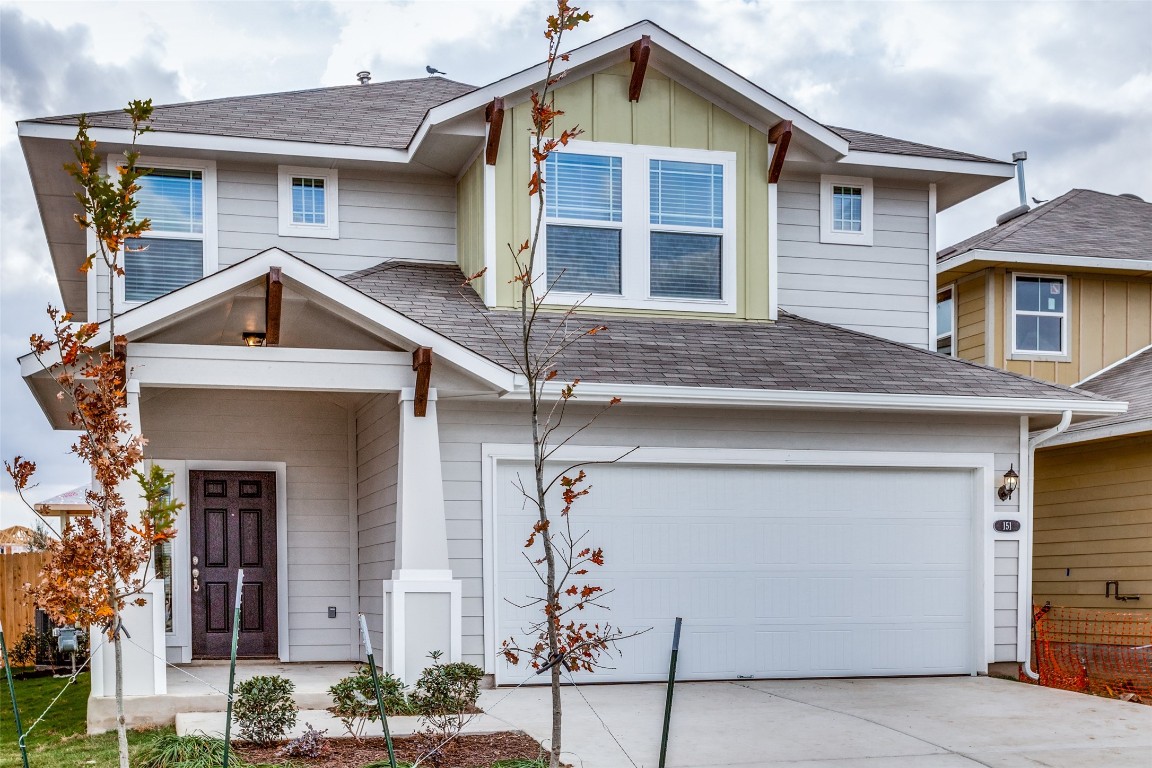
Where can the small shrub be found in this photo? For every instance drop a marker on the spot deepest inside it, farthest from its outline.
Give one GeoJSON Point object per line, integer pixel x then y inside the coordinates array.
{"type": "Point", "coordinates": [24, 651]}
{"type": "Point", "coordinates": [445, 697]}
{"type": "Point", "coordinates": [264, 708]}
{"type": "Point", "coordinates": [311, 743]}
{"type": "Point", "coordinates": [354, 699]}
{"type": "Point", "coordinates": [167, 750]}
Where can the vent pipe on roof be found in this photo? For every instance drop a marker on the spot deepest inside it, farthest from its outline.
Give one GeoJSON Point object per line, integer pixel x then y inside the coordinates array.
{"type": "Point", "coordinates": [1019, 158]}
{"type": "Point", "coordinates": [1130, 196]}
{"type": "Point", "coordinates": [1007, 216]}
{"type": "Point", "coordinates": [364, 76]}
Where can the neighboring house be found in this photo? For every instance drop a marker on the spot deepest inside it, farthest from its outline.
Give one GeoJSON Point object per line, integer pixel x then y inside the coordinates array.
{"type": "Point", "coordinates": [1064, 293]}
{"type": "Point", "coordinates": [812, 499]}
{"type": "Point", "coordinates": [15, 539]}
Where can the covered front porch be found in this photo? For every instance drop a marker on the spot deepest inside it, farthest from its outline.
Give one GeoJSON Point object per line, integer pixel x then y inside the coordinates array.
{"type": "Point", "coordinates": [311, 462]}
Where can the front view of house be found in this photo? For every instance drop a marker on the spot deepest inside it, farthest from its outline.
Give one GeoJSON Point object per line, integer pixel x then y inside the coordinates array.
{"type": "Point", "coordinates": [809, 486]}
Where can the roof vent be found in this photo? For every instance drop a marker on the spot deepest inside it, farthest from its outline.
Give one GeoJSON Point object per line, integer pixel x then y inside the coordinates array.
{"type": "Point", "coordinates": [1015, 213]}
{"type": "Point", "coordinates": [364, 76]}
{"type": "Point", "coordinates": [1130, 196]}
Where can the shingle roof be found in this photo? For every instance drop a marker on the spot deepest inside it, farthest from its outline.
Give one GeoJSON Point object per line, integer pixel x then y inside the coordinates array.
{"type": "Point", "coordinates": [1131, 380]}
{"type": "Point", "coordinates": [1078, 223]}
{"type": "Point", "coordinates": [380, 115]}
{"type": "Point", "coordinates": [792, 354]}
{"type": "Point", "coordinates": [874, 142]}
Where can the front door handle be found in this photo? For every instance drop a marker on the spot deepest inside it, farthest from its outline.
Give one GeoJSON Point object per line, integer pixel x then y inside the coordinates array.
{"type": "Point", "coordinates": [195, 579]}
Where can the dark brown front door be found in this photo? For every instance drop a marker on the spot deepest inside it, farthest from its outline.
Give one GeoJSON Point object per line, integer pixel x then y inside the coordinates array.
{"type": "Point", "coordinates": [233, 526]}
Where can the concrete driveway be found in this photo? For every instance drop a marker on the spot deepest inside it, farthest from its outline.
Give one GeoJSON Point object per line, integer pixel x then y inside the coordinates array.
{"type": "Point", "coordinates": [953, 722]}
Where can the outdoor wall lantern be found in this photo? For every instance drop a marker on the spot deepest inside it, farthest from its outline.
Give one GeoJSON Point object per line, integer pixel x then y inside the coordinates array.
{"type": "Point", "coordinates": [254, 338]}
{"type": "Point", "coordinates": [1011, 483]}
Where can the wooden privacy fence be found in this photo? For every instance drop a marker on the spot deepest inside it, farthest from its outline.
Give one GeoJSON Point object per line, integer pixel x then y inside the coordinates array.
{"type": "Point", "coordinates": [16, 610]}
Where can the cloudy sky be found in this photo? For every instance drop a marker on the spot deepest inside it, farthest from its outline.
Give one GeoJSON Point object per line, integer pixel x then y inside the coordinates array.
{"type": "Point", "coordinates": [1070, 82]}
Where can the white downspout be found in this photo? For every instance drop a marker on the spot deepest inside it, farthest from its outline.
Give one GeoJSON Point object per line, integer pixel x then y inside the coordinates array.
{"type": "Point", "coordinates": [1027, 500]}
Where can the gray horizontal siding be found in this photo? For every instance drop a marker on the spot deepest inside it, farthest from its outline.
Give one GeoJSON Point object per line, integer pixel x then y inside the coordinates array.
{"type": "Point", "coordinates": [377, 453]}
{"type": "Point", "coordinates": [465, 427]}
{"type": "Point", "coordinates": [882, 289]}
{"type": "Point", "coordinates": [405, 217]}
{"type": "Point", "coordinates": [1007, 570]}
{"type": "Point", "coordinates": [231, 425]}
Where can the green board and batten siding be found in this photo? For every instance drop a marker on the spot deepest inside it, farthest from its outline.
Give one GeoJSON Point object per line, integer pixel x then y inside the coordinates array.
{"type": "Point", "coordinates": [470, 221]}
{"type": "Point", "coordinates": [667, 115]}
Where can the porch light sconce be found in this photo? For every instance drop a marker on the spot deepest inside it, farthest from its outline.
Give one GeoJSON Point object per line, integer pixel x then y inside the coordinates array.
{"type": "Point", "coordinates": [254, 338]}
{"type": "Point", "coordinates": [1011, 483]}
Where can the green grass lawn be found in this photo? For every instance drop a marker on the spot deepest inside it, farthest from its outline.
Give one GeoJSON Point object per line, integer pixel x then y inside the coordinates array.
{"type": "Point", "coordinates": [60, 740]}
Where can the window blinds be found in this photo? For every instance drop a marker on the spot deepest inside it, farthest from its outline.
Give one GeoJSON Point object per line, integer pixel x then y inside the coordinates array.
{"type": "Point", "coordinates": [162, 267]}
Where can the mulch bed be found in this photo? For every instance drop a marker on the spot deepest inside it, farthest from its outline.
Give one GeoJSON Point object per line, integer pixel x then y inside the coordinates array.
{"type": "Point", "coordinates": [474, 750]}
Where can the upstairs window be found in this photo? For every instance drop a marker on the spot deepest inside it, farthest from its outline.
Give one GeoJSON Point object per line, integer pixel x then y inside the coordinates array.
{"type": "Point", "coordinates": [308, 202]}
{"type": "Point", "coordinates": [846, 210]}
{"type": "Point", "coordinates": [946, 322]}
{"type": "Point", "coordinates": [172, 253]}
{"type": "Point", "coordinates": [1039, 315]}
{"type": "Point", "coordinates": [641, 227]}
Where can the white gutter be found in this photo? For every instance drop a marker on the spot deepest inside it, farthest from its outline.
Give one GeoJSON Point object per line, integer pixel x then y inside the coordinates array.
{"type": "Point", "coordinates": [1027, 501]}
{"type": "Point", "coordinates": [596, 392]}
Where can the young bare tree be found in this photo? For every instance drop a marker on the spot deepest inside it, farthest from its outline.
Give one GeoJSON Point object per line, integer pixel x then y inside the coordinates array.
{"type": "Point", "coordinates": [100, 563]}
{"type": "Point", "coordinates": [561, 556]}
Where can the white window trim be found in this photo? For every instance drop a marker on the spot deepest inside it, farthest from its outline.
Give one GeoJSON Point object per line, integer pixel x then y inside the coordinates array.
{"type": "Point", "coordinates": [288, 228]}
{"type": "Point", "coordinates": [949, 288]}
{"type": "Point", "coordinates": [1065, 353]}
{"type": "Point", "coordinates": [207, 169]}
{"type": "Point", "coordinates": [635, 277]}
{"type": "Point", "coordinates": [829, 235]}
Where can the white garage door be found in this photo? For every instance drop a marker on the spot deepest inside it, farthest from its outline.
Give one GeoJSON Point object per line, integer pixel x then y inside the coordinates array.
{"type": "Point", "coordinates": [777, 571]}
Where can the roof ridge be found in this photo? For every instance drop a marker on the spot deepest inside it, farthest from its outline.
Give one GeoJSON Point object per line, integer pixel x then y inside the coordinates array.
{"type": "Point", "coordinates": [922, 350]}
{"type": "Point", "coordinates": [224, 99]}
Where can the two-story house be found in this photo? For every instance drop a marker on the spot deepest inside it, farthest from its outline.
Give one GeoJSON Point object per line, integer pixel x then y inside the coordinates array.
{"type": "Point", "coordinates": [1064, 293]}
{"type": "Point", "coordinates": [814, 490]}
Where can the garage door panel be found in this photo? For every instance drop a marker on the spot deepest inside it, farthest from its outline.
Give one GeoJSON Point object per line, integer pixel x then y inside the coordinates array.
{"type": "Point", "coordinates": [777, 571]}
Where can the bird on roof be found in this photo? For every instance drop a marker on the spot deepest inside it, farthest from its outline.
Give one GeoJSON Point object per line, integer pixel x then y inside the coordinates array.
{"type": "Point", "coordinates": [431, 70]}
{"type": "Point", "coordinates": [1038, 201]}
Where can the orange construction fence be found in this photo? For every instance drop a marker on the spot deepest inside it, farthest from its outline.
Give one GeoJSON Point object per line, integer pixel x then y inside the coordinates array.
{"type": "Point", "coordinates": [1103, 652]}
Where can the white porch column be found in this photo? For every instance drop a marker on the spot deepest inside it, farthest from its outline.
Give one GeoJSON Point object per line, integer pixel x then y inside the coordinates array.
{"type": "Point", "coordinates": [144, 652]}
{"type": "Point", "coordinates": [422, 607]}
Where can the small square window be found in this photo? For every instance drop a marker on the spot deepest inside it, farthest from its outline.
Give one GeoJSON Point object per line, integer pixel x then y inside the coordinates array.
{"type": "Point", "coordinates": [308, 202]}
{"type": "Point", "coordinates": [846, 210]}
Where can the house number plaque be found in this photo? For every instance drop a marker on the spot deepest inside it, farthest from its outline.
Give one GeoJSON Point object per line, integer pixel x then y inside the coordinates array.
{"type": "Point", "coordinates": [1006, 526]}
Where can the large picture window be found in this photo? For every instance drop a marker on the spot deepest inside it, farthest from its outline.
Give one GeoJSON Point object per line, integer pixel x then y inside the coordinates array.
{"type": "Point", "coordinates": [1039, 315]}
{"type": "Point", "coordinates": [640, 226]}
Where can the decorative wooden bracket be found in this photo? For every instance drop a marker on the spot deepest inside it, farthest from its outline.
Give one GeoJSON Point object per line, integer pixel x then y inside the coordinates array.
{"type": "Point", "coordinates": [641, 50]}
{"type": "Point", "coordinates": [780, 135]}
{"type": "Point", "coordinates": [422, 364]}
{"type": "Point", "coordinates": [274, 292]}
{"type": "Point", "coordinates": [494, 114]}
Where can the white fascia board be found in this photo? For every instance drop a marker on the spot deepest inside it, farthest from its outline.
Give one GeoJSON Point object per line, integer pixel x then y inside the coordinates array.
{"type": "Point", "coordinates": [770, 398]}
{"type": "Point", "coordinates": [152, 313]}
{"type": "Point", "coordinates": [211, 143]}
{"type": "Point", "coordinates": [1089, 433]}
{"type": "Point", "coordinates": [307, 370]}
{"type": "Point", "coordinates": [1043, 259]}
{"type": "Point", "coordinates": [995, 169]}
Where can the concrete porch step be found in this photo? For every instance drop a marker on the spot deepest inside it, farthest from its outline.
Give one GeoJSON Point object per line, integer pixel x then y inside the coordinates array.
{"type": "Point", "coordinates": [212, 724]}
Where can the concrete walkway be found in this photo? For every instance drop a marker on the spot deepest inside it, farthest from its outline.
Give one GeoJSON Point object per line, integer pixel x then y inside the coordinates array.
{"type": "Point", "coordinates": [958, 722]}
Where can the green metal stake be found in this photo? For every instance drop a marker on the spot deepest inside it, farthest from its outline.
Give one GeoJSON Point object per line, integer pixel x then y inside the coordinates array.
{"type": "Point", "coordinates": [671, 687]}
{"type": "Point", "coordinates": [376, 685]}
{"type": "Point", "coordinates": [15, 709]}
{"type": "Point", "coordinates": [232, 668]}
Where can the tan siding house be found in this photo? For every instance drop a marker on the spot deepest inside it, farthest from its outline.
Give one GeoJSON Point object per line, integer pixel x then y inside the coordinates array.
{"type": "Point", "coordinates": [1063, 293]}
